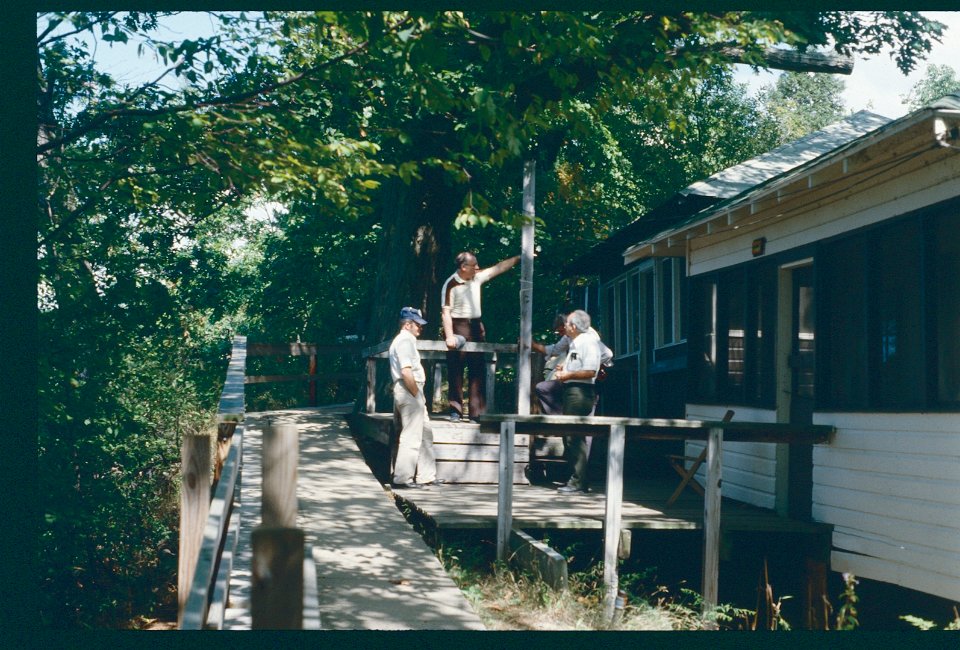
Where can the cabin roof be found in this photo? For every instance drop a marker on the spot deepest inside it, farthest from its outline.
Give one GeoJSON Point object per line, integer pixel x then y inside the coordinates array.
{"type": "Point", "coordinates": [725, 184]}
{"type": "Point", "coordinates": [841, 147]}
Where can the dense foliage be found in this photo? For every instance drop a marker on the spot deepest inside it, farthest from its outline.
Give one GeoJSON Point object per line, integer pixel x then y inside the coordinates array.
{"type": "Point", "coordinates": [379, 132]}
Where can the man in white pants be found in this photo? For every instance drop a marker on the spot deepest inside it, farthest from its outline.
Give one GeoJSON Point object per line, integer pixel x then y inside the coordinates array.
{"type": "Point", "coordinates": [415, 459]}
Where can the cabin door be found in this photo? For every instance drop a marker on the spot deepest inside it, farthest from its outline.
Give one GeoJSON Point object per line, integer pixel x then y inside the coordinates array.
{"type": "Point", "coordinates": [796, 376]}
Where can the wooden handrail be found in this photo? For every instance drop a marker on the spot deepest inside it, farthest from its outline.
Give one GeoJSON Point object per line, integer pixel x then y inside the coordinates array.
{"type": "Point", "coordinates": [380, 350]}
{"type": "Point", "coordinates": [299, 349]}
{"type": "Point", "coordinates": [209, 568]}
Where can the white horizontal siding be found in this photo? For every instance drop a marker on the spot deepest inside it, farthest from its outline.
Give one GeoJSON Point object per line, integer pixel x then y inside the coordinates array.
{"type": "Point", "coordinates": [890, 485]}
{"type": "Point", "coordinates": [930, 582]}
{"type": "Point", "coordinates": [917, 556]}
{"type": "Point", "coordinates": [749, 468]}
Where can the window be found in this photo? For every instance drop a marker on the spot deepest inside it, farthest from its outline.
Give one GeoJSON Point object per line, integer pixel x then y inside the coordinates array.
{"type": "Point", "coordinates": [671, 284]}
{"type": "Point", "coordinates": [946, 297]}
{"type": "Point", "coordinates": [844, 323]}
{"type": "Point", "coordinates": [732, 348]}
{"type": "Point", "coordinates": [890, 315]}
{"type": "Point", "coordinates": [621, 310]}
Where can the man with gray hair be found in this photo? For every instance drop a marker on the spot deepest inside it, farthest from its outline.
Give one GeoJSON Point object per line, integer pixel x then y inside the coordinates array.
{"type": "Point", "coordinates": [578, 375]}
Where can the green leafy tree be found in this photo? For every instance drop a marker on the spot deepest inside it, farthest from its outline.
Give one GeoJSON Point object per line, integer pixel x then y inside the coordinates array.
{"type": "Point", "coordinates": [937, 81]}
{"type": "Point", "coordinates": [802, 102]}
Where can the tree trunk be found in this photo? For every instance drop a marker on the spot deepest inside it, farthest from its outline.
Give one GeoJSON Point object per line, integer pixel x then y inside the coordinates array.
{"type": "Point", "coordinates": [414, 255]}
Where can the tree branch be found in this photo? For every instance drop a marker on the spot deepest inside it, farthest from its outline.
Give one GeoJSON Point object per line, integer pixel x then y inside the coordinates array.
{"type": "Point", "coordinates": [794, 61]}
{"type": "Point", "coordinates": [237, 98]}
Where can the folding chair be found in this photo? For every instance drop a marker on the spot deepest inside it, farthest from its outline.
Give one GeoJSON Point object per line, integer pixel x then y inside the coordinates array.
{"type": "Point", "coordinates": [686, 474]}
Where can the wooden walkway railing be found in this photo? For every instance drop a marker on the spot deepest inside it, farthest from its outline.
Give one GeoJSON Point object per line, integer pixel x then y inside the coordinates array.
{"type": "Point", "coordinates": [432, 352]}
{"type": "Point", "coordinates": [207, 527]}
{"type": "Point", "coordinates": [312, 350]}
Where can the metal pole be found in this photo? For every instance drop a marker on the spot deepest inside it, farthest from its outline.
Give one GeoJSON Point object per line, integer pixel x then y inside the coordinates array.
{"type": "Point", "coordinates": [526, 289]}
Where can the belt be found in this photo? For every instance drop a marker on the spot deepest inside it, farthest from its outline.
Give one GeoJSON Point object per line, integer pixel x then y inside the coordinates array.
{"type": "Point", "coordinates": [471, 320]}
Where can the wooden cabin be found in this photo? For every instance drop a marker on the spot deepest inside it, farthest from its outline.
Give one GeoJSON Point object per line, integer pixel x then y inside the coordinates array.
{"type": "Point", "coordinates": [826, 292]}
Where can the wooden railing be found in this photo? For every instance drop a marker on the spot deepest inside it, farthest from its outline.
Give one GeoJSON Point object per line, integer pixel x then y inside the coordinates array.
{"type": "Point", "coordinates": [312, 350]}
{"type": "Point", "coordinates": [432, 352]}
{"type": "Point", "coordinates": [616, 430]}
{"type": "Point", "coordinates": [209, 527]}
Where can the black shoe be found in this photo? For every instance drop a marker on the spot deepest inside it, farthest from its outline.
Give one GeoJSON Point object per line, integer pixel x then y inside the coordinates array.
{"type": "Point", "coordinates": [436, 481]}
{"type": "Point", "coordinates": [454, 416]}
{"type": "Point", "coordinates": [411, 485]}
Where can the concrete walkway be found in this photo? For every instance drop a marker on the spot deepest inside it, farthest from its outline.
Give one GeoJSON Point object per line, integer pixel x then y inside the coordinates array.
{"type": "Point", "coordinates": [372, 570]}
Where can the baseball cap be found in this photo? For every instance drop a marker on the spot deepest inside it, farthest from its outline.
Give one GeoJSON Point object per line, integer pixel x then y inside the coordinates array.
{"type": "Point", "coordinates": [412, 313]}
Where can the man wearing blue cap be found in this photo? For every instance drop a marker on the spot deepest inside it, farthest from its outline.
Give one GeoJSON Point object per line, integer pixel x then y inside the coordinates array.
{"type": "Point", "coordinates": [415, 458]}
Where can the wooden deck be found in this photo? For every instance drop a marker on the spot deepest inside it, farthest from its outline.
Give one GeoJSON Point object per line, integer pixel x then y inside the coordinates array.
{"type": "Point", "coordinates": [644, 508]}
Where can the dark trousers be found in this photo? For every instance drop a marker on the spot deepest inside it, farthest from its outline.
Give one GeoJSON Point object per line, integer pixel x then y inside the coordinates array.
{"type": "Point", "coordinates": [550, 395]}
{"type": "Point", "coordinates": [578, 399]}
{"type": "Point", "coordinates": [472, 330]}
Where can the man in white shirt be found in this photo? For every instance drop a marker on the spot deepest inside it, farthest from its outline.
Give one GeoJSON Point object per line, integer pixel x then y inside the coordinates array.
{"type": "Point", "coordinates": [550, 391]}
{"type": "Point", "coordinates": [460, 312]}
{"type": "Point", "coordinates": [415, 457]}
{"type": "Point", "coordinates": [578, 375]}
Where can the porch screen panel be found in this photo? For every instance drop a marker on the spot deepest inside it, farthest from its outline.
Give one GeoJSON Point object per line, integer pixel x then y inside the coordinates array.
{"type": "Point", "coordinates": [732, 314]}
{"type": "Point", "coordinates": [946, 289]}
{"type": "Point", "coordinates": [633, 291]}
{"type": "Point", "coordinates": [843, 314]}
{"type": "Point", "coordinates": [761, 342]}
{"type": "Point", "coordinates": [703, 338]}
{"type": "Point", "coordinates": [897, 337]}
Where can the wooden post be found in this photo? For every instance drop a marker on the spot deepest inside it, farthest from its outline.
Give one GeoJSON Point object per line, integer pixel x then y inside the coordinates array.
{"type": "Point", "coordinates": [312, 371]}
{"type": "Point", "coordinates": [438, 383]}
{"type": "Point", "coordinates": [711, 522]}
{"type": "Point", "coordinates": [224, 435]}
{"type": "Point", "coordinates": [611, 517]}
{"type": "Point", "coordinates": [276, 595]}
{"type": "Point", "coordinates": [371, 385]}
{"type": "Point", "coordinates": [490, 383]}
{"type": "Point", "coordinates": [194, 507]}
{"type": "Point", "coordinates": [526, 289]}
{"type": "Point", "coordinates": [279, 493]}
{"type": "Point", "coordinates": [505, 489]}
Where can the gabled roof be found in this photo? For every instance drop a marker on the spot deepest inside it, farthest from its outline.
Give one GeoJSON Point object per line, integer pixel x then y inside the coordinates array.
{"type": "Point", "coordinates": [845, 146]}
{"type": "Point", "coordinates": [739, 178]}
{"type": "Point", "coordinates": [725, 184]}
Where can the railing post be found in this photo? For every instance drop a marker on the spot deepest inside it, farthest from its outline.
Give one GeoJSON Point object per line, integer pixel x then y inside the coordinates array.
{"type": "Point", "coordinates": [505, 489]}
{"type": "Point", "coordinates": [312, 371]}
{"type": "Point", "coordinates": [276, 595]}
{"type": "Point", "coordinates": [612, 516]}
{"type": "Point", "coordinates": [490, 382]}
{"type": "Point", "coordinates": [279, 493]}
{"type": "Point", "coordinates": [371, 385]}
{"type": "Point", "coordinates": [437, 384]}
{"type": "Point", "coordinates": [711, 524]}
{"type": "Point", "coordinates": [194, 507]}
